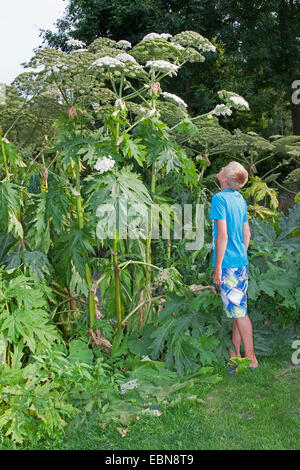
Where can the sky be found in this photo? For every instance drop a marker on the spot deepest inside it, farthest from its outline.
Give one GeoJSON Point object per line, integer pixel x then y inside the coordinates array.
{"type": "Point", "coordinates": [20, 21]}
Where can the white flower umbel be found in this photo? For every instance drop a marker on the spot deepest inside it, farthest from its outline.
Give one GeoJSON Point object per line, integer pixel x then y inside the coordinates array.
{"type": "Point", "coordinates": [53, 69]}
{"type": "Point", "coordinates": [107, 61]}
{"type": "Point", "coordinates": [123, 57]}
{"type": "Point", "coordinates": [104, 164]}
{"type": "Point", "coordinates": [150, 112]}
{"type": "Point", "coordinates": [119, 103]}
{"type": "Point", "coordinates": [222, 109]}
{"type": "Point", "coordinates": [79, 50]}
{"type": "Point", "coordinates": [96, 106]}
{"type": "Point", "coordinates": [128, 386]}
{"type": "Point", "coordinates": [178, 46]}
{"type": "Point", "coordinates": [163, 66]}
{"type": "Point", "coordinates": [124, 44]}
{"type": "Point", "coordinates": [172, 97]}
{"type": "Point", "coordinates": [207, 47]}
{"type": "Point", "coordinates": [239, 101]}
{"type": "Point", "coordinates": [75, 43]}
{"type": "Point", "coordinates": [151, 36]}
{"type": "Point", "coordinates": [146, 113]}
{"type": "Point", "coordinates": [166, 36]}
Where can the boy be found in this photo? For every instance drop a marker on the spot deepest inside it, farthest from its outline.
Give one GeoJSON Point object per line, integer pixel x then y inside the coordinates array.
{"type": "Point", "coordinates": [231, 234]}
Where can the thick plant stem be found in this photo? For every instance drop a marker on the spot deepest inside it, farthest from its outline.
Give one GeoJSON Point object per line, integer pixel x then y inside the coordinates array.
{"type": "Point", "coordinates": [92, 312]}
{"type": "Point", "coordinates": [5, 160]}
{"type": "Point", "coordinates": [78, 197]}
{"type": "Point", "coordinates": [21, 238]}
{"type": "Point", "coordinates": [117, 283]}
{"type": "Point", "coordinates": [169, 248]}
{"type": "Point", "coordinates": [88, 276]}
{"type": "Point", "coordinates": [153, 299]}
{"type": "Point", "coordinates": [148, 242]}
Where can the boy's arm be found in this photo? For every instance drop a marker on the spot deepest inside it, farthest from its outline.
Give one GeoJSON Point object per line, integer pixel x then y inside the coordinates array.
{"type": "Point", "coordinates": [246, 234]}
{"type": "Point", "coordinates": [221, 245]}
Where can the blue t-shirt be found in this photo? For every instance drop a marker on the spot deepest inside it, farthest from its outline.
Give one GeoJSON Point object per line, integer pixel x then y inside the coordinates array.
{"type": "Point", "coordinates": [230, 205]}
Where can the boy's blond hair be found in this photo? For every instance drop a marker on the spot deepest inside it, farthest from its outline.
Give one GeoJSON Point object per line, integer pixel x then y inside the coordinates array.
{"type": "Point", "coordinates": [236, 174]}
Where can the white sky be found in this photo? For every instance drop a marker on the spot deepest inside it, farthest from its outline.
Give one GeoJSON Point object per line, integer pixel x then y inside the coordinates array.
{"type": "Point", "coordinates": [20, 21]}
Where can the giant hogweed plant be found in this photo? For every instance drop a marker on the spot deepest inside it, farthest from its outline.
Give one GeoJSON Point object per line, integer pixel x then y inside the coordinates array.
{"type": "Point", "coordinates": [112, 136]}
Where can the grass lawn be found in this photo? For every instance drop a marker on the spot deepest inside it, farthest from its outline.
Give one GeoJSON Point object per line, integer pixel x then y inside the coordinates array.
{"type": "Point", "coordinates": [257, 410]}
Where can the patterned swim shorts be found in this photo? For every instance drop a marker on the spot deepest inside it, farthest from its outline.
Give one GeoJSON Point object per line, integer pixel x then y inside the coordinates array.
{"type": "Point", "coordinates": [234, 291]}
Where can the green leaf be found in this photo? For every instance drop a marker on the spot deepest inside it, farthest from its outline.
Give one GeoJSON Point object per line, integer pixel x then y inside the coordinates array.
{"type": "Point", "coordinates": [119, 346]}
{"type": "Point", "coordinates": [79, 352]}
{"type": "Point", "coordinates": [71, 251]}
{"type": "Point", "coordinates": [36, 261]}
{"type": "Point", "coordinates": [287, 224]}
{"type": "Point", "coordinates": [9, 207]}
{"type": "Point", "coordinates": [133, 149]}
{"type": "Point", "coordinates": [168, 159]}
{"type": "Point", "coordinates": [187, 127]}
{"type": "Point", "coordinates": [262, 231]}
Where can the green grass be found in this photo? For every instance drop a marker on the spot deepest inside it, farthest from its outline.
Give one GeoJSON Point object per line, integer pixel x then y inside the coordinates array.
{"type": "Point", "coordinates": [256, 410]}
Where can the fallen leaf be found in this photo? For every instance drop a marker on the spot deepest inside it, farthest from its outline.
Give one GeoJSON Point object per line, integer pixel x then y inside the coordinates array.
{"type": "Point", "coordinates": [123, 431]}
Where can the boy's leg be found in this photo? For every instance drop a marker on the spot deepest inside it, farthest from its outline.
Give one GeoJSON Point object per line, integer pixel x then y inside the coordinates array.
{"type": "Point", "coordinates": [245, 329]}
{"type": "Point", "coordinates": [236, 340]}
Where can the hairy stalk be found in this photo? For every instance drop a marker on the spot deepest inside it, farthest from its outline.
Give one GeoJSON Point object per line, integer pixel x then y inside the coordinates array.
{"type": "Point", "coordinates": [148, 244]}
{"type": "Point", "coordinates": [169, 248]}
{"type": "Point", "coordinates": [117, 282]}
{"type": "Point", "coordinates": [153, 299]}
{"type": "Point", "coordinates": [92, 312]}
{"type": "Point", "coordinates": [88, 276]}
{"type": "Point", "coordinates": [7, 358]}
{"type": "Point", "coordinates": [22, 241]}
{"type": "Point", "coordinates": [5, 160]}
{"type": "Point", "coordinates": [126, 263]}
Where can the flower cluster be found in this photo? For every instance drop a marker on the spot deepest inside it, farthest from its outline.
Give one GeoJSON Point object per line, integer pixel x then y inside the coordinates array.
{"type": "Point", "coordinates": [178, 46]}
{"type": "Point", "coordinates": [163, 66]}
{"type": "Point", "coordinates": [192, 39]}
{"type": "Point", "coordinates": [123, 57]}
{"type": "Point", "coordinates": [75, 43]}
{"type": "Point", "coordinates": [119, 103]}
{"type": "Point", "coordinates": [222, 109]}
{"type": "Point", "coordinates": [56, 68]}
{"type": "Point", "coordinates": [175, 98]}
{"type": "Point", "coordinates": [107, 61]}
{"type": "Point", "coordinates": [95, 106]}
{"type": "Point", "coordinates": [124, 44]}
{"type": "Point", "coordinates": [104, 164]}
{"type": "Point", "coordinates": [147, 113]}
{"type": "Point", "coordinates": [207, 47]}
{"type": "Point", "coordinates": [163, 276]}
{"type": "Point", "coordinates": [151, 36]}
{"type": "Point", "coordinates": [239, 101]}
{"type": "Point", "coordinates": [233, 100]}
{"type": "Point", "coordinates": [79, 50]}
